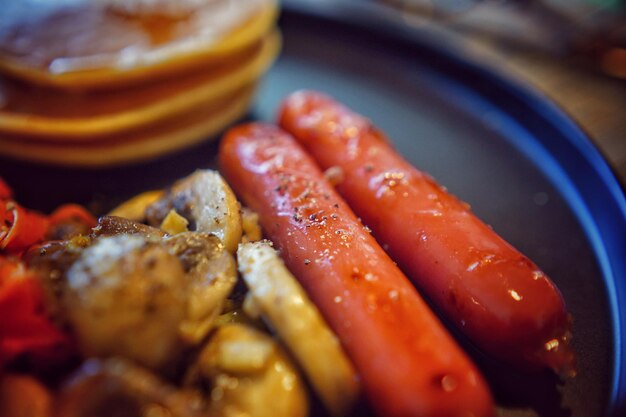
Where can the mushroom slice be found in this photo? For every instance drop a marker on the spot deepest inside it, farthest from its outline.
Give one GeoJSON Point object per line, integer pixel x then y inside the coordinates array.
{"type": "Point", "coordinates": [211, 275]}
{"type": "Point", "coordinates": [115, 387]}
{"type": "Point", "coordinates": [127, 296]}
{"type": "Point", "coordinates": [114, 225]}
{"type": "Point", "coordinates": [49, 261]}
{"type": "Point", "coordinates": [207, 202]}
{"type": "Point", "coordinates": [250, 375]}
{"type": "Point", "coordinates": [283, 302]}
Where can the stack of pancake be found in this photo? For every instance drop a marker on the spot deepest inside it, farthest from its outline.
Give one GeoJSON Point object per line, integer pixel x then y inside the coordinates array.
{"type": "Point", "coordinates": [103, 82]}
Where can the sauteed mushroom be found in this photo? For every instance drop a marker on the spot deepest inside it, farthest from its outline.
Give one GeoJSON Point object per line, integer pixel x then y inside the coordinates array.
{"type": "Point", "coordinates": [114, 225]}
{"type": "Point", "coordinates": [123, 294]}
{"type": "Point", "coordinates": [207, 202]}
{"type": "Point", "coordinates": [211, 275]}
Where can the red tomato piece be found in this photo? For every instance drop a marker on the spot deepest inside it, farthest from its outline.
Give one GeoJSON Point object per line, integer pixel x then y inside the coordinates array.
{"type": "Point", "coordinates": [25, 328]}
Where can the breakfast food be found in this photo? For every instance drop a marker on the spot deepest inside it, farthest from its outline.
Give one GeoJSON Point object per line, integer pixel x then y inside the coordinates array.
{"type": "Point", "coordinates": [495, 295]}
{"type": "Point", "coordinates": [122, 315]}
{"type": "Point", "coordinates": [205, 200]}
{"type": "Point", "coordinates": [46, 114]}
{"type": "Point", "coordinates": [409, 364]}
{"type": "Point", "coordinates": [165, 136]}
{"type": "Point", "coordinates": [25, 328]}
{"type": "Point", "coordinates": [172, 304]}
{"type": "Point", "coordinates": [95, 83]}
{"type": "Point", "coordinates": [275, 292]}
{"type": "Point", "coordinates": [87, 45]}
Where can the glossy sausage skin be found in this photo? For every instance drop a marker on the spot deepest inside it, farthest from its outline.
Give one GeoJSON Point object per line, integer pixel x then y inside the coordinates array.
{"type": "Point", "coordinates": [490, 291]}
{"type": "Point", "coordinates": [409, 364]}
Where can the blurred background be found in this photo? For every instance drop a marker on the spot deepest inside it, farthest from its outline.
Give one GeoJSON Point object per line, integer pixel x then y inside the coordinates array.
{"type": "Point", "coordinates": [100, 100]}
{"type": "Point", "coordinates": [574, 51]}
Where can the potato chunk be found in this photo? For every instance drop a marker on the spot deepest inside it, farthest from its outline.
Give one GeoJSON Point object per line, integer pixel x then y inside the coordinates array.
{"type": "Point", "coordinates": [207, 202]}
{"type": "Point", "coordinates": [250, 376]}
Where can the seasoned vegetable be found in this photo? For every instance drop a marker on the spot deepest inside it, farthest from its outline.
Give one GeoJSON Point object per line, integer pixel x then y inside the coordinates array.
{"type": "Point", "coordinates": [113, 225]}
{"type": "Point", "coordinates": [127, 292]}
{"type": "Point", "coordinates": [211, 275]}
{"type": "Point", "coordinates": [19, 227]}
{"type": "Point", "coordinates": [25, 327]}
{"type": "Point", "coordinates": [250, 375]}
{"type": "Point", "coordinates": [408, 363]}
{"type": "Point", "coordinates": [500, 299]}
{"type": "Point", "coordinates": [298, 322]}
{"type": "Point", "coordinates": [207, 202]}
{"type": "Point", "coordinates": [126, 296]}
{"type": "Point", "coordinates": [72, 211]}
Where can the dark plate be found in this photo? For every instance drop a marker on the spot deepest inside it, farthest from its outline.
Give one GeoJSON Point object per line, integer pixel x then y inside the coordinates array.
{"type": "Point", "coordinates": [522, 164]}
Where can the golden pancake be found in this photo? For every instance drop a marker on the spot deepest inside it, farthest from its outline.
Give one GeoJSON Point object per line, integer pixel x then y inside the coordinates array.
{"type": "Point", "coordinates": [153, 141]}
{"type": "Point", "coordinates": [60, 116]}
{"type": "Point", "coordinates": [87, 44]}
